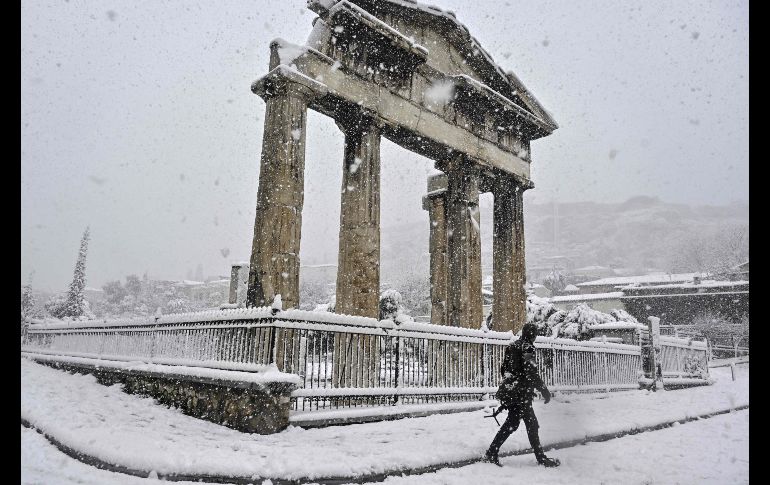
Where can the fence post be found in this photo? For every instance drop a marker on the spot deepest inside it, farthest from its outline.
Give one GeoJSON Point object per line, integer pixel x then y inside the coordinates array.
{"type": "Point", "coordinates": [154, 337]}
{"type": "Point", "coordinates": [484, 367]}
{"type": "Point", "coordinates": [398, 363]}
{"type": "Point", "coordinates": [302, 358]}
{"type": "Point", "coordinates": [555, 364]}
{"type": "Point", "coordinates": [606, 371]}
{"type": "Point", "coordinates": [273, 349]}
{"type": "Point", "coordinates": [655, 352]}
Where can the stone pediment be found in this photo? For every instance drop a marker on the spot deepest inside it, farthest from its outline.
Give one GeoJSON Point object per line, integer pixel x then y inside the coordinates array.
{"type": "Point", "coordinates": [422, 34]}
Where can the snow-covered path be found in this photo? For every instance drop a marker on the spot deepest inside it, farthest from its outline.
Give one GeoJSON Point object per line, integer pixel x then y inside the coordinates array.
{"type": "Point", "coordinates": [136, 433]}
{"type": "Point", "coordinates": [708, 451]}
{"type": "Point", "coordinates": [43, 464]}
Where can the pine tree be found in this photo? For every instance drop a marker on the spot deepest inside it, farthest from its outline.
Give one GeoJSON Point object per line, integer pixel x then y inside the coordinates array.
{"type": "Point", "coordinates": [29, 308]}
{"type": "Point", "coordinates": [75, 306]}
{"type": "Point", "coordinates": [27, 302]}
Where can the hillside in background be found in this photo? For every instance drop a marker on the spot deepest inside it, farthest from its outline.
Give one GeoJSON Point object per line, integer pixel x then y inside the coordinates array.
{"type": "Point", "coordinates": [639, 235]}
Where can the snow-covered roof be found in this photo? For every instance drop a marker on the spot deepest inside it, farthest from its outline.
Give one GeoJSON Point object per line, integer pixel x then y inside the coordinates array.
{"type": "Point", "coordinates": [190, 283]}
{"type": "Point", "coordinates": [643, 279]}
{"type": "Point", "coordinates": [219, 281]}
{"type": "Point", "coordinates": [702, 284]}
{"type": "Point", "coordinates": [587, 297]}
{"type": "Point", "coordinates": [571, 288]}
{"type": "Point", "coordinates": [593, 268]}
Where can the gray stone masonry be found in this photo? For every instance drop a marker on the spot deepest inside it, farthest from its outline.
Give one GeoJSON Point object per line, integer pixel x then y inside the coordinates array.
{"type": "Point", "coordinates": [251, 408]}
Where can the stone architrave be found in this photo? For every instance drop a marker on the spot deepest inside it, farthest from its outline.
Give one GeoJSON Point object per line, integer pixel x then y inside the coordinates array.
{"type": "Point", "coordinates": [509, 306]}
{"type": "Point", "coordinates": [464, 300]}
{"type": "Point", "coordinates": [358, 269]}
{"type": "Point", "coordinates": [274, 266]}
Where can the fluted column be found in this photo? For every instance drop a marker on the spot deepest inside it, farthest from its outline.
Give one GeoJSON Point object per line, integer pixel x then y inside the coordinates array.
{"type": "Point", "coordinates": [435, 203]}
{"type": "Point", "coordinates": [509, 306]}
{"type": "Point", "coordinates": [463, 245]}
{"type": "Point", "coordinates": [274, 267]}
{"type": "Point", "coordinates": [358, 269]}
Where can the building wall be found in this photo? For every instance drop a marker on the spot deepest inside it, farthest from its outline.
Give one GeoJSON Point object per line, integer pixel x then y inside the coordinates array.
{"type": "Point", "coordinates": [683, 309]}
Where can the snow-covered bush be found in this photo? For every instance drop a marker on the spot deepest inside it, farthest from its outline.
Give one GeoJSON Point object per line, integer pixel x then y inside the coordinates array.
{"type": "Point", "coordinates": [575, 324]}
{"type": "Point", "coordinates": [328, 306]}
{"type": "Point", "coordinates": [623, 316]}
{"type": "Point", "coordinates": [390, 304]}
{"type": "Point", "coordinates": [555, 281]}
{"type": "Point", "coordinates": [415, 293]}
{"type": "Point", "coordinates": [56, 306]}
{"type": "Point", "coordinates": [179, 305]}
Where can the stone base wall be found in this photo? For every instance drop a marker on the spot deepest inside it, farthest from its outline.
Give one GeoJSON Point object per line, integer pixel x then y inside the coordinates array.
{"type": "Point", "coordinates": [262, 411]}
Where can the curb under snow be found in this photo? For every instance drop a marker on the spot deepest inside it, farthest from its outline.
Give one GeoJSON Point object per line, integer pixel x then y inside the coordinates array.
{"type": "Point", "coordinates": [364, 478]}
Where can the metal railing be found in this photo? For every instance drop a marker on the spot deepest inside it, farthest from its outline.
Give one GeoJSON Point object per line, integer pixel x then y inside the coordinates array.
{"type": "Point", "coordinates": [343, 361]}
{"type": "Point", "coordinates": [684, 357]}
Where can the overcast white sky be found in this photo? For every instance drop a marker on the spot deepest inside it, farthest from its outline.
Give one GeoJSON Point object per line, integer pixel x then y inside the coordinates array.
{"type": "Point", "coordinates": [137, 119]}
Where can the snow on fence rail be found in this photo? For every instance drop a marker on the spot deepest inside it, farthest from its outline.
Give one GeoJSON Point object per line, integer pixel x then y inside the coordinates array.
{"type": "Point", "coordinates": [343, 361]}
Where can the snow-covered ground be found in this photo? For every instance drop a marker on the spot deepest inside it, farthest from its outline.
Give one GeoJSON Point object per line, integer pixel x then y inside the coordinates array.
{"type": "Point", "coordinates": [137, 433]}
{"type": "Point", "coordinates": [708, 451]}
{"type": "Point", "coordinates": [678, 453]}
{"type": "Point", "coordinates": [42, 463]}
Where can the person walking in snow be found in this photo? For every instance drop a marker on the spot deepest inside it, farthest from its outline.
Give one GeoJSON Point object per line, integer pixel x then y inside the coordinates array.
{"type": "Point", "coordinates": [520, 379]}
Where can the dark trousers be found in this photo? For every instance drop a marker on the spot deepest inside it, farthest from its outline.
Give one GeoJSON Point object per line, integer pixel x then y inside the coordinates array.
{"type": "Point", "coordinates": [517, 413]}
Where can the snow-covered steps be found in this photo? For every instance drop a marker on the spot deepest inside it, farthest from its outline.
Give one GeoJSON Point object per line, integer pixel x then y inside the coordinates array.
{"type": "Point", "coordinates": [86, 416]}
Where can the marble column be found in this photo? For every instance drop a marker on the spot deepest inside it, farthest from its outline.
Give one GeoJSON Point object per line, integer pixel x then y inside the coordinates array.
{"type": "Point", "coordinates": [274, 265]}
{"type": "Point", "coordinates": [464, 300]}
{"type": "Point", "coordinates": [358, 269]}
{"type": "Point", "coordinates": [435, 203]}
{"type": "Point", "coordinates": [509, 306]}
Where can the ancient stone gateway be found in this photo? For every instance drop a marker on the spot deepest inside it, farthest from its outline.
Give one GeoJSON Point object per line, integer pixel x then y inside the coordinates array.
{"type": "Point", "coordinates": [413, 74]}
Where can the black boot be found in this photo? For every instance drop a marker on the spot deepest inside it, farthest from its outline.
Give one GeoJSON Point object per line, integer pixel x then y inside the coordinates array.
{"type": "Point", "coordinates": [547, 462]}
{"type": "Point", "coordinates": [491, 457]}
{"type": "Point", "coordinates": [534, 440]}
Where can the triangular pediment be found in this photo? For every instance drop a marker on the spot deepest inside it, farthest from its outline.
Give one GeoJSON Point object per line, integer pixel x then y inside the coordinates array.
{"type": "Point", "coordinates": [450, 47]}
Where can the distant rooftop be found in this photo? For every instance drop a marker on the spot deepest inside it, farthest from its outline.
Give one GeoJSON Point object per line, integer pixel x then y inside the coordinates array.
{"type": "Point", "coordinates": [702, 284]}
{"type": "Point", "coordinates": [593, 268]}
{"type": "Point", "coordinates": [189, 282]}
{"type": "Point", "coordinates": [587, 297]}
{"type": "Point", "coordinates": [647, 279]}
